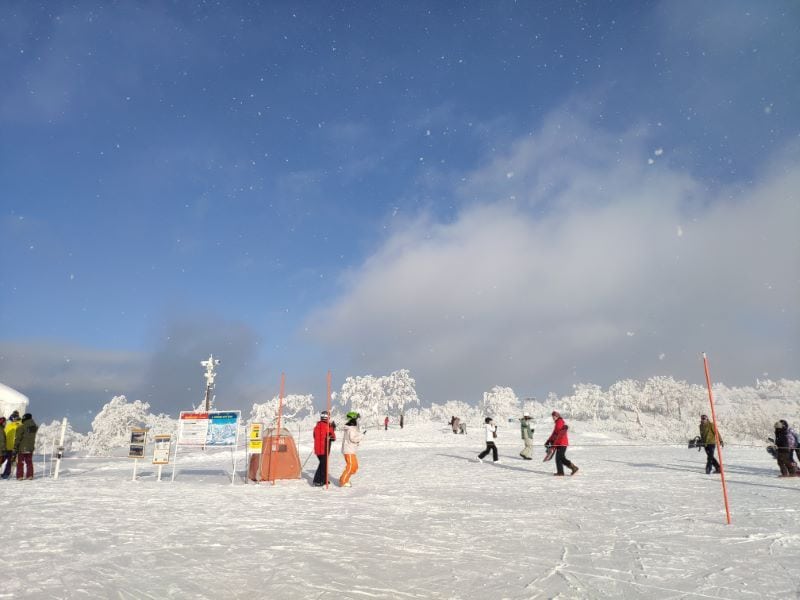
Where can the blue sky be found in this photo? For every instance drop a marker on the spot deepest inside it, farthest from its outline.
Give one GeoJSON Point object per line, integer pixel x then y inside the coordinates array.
{"type": "Point", "coordinates": [525, 194]}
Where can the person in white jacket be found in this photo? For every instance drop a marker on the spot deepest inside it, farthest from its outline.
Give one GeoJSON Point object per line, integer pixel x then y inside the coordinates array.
{"type": "Point", "coordinates": [491, 434]}
{"type": "Point", "coordinates": [351, 438]}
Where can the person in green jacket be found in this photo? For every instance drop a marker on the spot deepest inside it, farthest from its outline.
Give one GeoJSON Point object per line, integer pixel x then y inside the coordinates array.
{"type": "Point", "coordinates": [24, 444]}
{"type": "Point", "coordinates": [10, 430]}
{"type": "Point", "coordinates": [710, 442]}
{"type": "Point", "coordinates": [526, 431]}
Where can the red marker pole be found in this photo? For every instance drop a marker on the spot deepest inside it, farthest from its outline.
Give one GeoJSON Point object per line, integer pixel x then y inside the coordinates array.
{"type": "Point", "coordinates": [716, 439]}
{"type": "Point", "coordinates": [277, 437]}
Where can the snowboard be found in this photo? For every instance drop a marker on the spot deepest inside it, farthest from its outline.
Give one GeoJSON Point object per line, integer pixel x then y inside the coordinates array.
{"type": "Point", "coordinates": [550, 452]}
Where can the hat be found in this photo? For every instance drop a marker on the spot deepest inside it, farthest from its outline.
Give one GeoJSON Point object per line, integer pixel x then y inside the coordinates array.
{"type": "Point", "coordinates": [324, 415]}
{"type": "Point", "coordinates": [353, 415]}
{"type": "Point", "coordinates": [526, 415]}
{"type": "Point", "coordinates": [703, 416]}
{"type": "Point", "coordinates": [555, 413]}
{"type": "Point", "coordinates": [487, 420]}
{"type": "Point", "coordinates": [2, 420]}
{"type": "Point", "coordinates": [14, 416]}
{"type": "Point", "coordinates": [27, 416]}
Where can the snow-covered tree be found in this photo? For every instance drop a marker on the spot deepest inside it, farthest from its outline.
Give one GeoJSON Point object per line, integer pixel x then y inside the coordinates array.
{"type": "Point", "coordinates": [161, 424]}
{"type": "Point", "coordinates": [295, 408]}
{"type": "Point", "coordinates": [49, 435]}
{"type": "Point", "coordinates": [365, 395]}
{"type": "Point", "coordinates": [455, 408]}
{"type": "Point", "coordinates": [377, 397]}
{"type": "Point", "coordinates": [587, 402]}
{"type": "Point", "coordinates": [400, 392]}
{"type": "Point", "coordinates": [111, 427]}
{"type": "Point", "coordinates": [500, 403]}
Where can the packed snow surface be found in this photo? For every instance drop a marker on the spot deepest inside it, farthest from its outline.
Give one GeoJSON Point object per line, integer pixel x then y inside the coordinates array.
{"type": "Point", "coordinates": [422, 520]}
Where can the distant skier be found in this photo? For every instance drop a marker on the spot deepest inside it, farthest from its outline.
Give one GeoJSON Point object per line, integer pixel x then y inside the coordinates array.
{"type": "Point", "coordinates": [402, 419]}
{"type": "Point", "coordinates": [24, 444]}
{"type": "Point", "coordinates": [386, 423]}
{"type": "Point", "coordinates": [526, 431]}
{"type": "Point", "coordinates": [709, 440]}
{"type": "Point", "coordinates": [455, 422]}
{"type": "Point", "coordinates": [560, 441]}
{"type": "Point", "coordinates": [351, 438]}
{"type": "Point", "coordinates": [785, 443]}
{"type": "Point", "coordinates": [324, 435]}
{"type": "Point", "coordinates": [491, 434]}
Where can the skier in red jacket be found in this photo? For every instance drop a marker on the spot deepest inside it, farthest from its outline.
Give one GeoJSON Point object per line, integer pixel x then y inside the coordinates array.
{"type": "Point", "coordinates": [560, 441]}
{"type": "Point", "coordinates": [324, 435]}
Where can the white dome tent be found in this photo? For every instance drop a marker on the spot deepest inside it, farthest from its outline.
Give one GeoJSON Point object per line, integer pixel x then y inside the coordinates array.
{"type": "Point", "coordinates": [11, 400]}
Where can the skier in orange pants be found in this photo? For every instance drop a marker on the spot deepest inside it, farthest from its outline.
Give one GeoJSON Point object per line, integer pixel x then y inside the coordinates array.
{"type": "Point", "coordinates": [350, 440]}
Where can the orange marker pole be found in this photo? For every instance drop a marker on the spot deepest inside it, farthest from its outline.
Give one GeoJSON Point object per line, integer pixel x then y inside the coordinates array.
{"type": "Point", "coordinates": [716, 439]}
{"type": "Point", "coordinates": [327, 437]}
{"type": "Point", "coordinates": [280, 414]}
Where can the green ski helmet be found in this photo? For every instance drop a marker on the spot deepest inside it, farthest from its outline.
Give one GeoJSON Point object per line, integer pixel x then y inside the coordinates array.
{"type": "Point", "coordinates": [353, 415]}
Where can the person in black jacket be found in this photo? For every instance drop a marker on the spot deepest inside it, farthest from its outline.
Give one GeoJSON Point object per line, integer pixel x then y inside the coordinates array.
{"type": "Point", "coordinates": [784, 449]}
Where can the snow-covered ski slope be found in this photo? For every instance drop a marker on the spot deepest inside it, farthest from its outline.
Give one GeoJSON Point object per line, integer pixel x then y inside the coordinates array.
{"type": "Point", "coordinates": [422, 520]}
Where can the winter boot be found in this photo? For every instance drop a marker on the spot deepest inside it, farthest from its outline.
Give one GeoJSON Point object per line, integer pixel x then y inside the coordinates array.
{"type": "Point", "coordinates": [574, 469]}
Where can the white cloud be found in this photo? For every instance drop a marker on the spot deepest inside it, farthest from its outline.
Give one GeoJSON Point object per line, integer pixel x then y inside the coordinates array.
{"type": "Point", "coordinates": [543, 291]}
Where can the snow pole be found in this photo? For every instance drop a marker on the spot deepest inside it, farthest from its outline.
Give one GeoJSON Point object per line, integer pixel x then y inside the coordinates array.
{"type": "Point", "coordinates": [60, 447]}
{"type": "Point", "coordinates": [716, 439]}
{"type": "Point", "coordinates": [328, 432]}
{"type": "Point", "coordinates": [280, 413]}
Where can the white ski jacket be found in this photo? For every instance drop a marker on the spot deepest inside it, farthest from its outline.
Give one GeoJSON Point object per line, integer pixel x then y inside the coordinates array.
{"type": "Point", "coordinates": [351, 439]}
{"type": "Point", "coordinates": [491, 428]}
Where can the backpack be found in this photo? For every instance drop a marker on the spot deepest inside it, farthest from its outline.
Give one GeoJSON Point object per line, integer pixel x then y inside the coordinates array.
{"type": "Point", "coordinates": [792, 439]}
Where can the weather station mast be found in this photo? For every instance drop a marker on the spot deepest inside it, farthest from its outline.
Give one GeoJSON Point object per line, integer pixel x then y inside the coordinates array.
{"type": "Point", "coordinates": [210, 376]}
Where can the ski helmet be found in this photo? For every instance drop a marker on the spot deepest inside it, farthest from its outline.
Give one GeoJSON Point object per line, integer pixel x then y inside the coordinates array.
{"type": "Point", "coordinates": [324, 415]}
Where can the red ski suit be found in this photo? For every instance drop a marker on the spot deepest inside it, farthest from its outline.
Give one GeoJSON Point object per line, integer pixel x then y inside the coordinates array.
{"type": "Point", "coordinates": [559, 435]}
{"type": "Point", "coordinates": [321, 430]}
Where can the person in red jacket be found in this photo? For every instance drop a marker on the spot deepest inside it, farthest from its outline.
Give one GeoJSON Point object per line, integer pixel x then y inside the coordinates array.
{"type": "Point", "coordinates": [324, 435]}
{"type": "Point", "coordinates": [560, 441]}
{"type": "Point", "coordinates": [386, 424]}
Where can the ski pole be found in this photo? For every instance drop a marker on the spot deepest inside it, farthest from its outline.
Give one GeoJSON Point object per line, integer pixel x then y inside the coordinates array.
{"type": "Point", "coordinates": [306, 460]}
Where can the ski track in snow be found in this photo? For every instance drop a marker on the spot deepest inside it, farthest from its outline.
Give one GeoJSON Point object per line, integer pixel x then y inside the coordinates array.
{"type": "Point", "coordinates": [422, 520]}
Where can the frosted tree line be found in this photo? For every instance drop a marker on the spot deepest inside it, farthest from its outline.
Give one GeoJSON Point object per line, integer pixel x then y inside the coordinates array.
{"type": "Point", "coordinates": [659, 409]}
